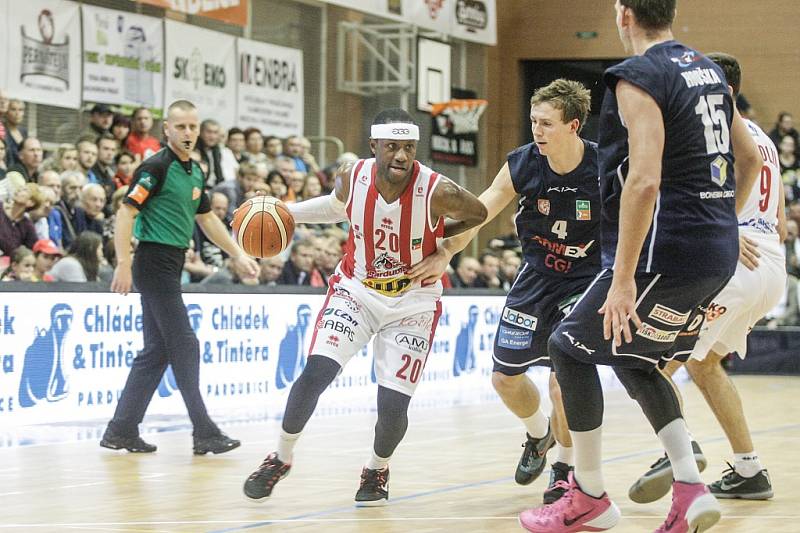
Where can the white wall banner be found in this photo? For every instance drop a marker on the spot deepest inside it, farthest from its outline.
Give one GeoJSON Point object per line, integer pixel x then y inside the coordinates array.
{"type": "Point", "coordinates": [65, 356]}
{"type": "Point", "coordinates": [123, 58]}
{"type": "Point", "coordinates": [44, 52]}
{"type": "Point", "coordinates": [201, 67]}
{"type": "Point", "coordinates": [270, 88]}
{"type": "Point", "coordinates": [434, 15]}
{"type": "Point", "coordinates": [4, 43]}
{"type": "Point", "coordinates": [475, 20]}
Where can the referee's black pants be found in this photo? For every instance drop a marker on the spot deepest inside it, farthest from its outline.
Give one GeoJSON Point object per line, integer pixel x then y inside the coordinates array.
{"type": "Point", "coordinates": [168, 339]}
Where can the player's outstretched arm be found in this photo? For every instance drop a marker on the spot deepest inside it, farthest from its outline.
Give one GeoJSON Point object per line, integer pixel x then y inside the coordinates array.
{"type": "Point", "coordinates": [495, 198]}
{"type": "Point", "coordinates": [328, 209]}
{"type": "Point", "coordinates": [458, 204]}
{"type": "Point", "coordinates": [646, 147]}
{"type": "Point", "coordinates": [748, 163]}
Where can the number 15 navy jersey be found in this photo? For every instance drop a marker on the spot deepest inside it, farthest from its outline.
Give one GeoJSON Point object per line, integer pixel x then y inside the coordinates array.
{"type": "Point", "coordinates": [694, 226]}
{"type": "Point", "coordinates": [558, 221]}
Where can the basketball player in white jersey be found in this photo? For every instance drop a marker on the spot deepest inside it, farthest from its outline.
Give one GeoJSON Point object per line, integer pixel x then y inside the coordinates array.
{"type": "Point", "coordinates": [396, 208]}
{"type": "Point", "coordinates": [755, 289]}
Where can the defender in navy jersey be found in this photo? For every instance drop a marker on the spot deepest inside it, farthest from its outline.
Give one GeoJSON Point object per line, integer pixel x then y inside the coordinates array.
{"type": "Point", "coordinates": [558, 223]}
{"type": "Point", "coordinates": [668, 131]}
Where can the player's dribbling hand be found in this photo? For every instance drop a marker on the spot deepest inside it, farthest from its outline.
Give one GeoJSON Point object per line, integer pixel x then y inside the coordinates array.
{"type": "Point", "coordinates": [246, 265]}
{"type": "Point", "coordinates": [748, 252]}
{"type": "Point", "coordinates": [431, 269]}
{"type": "Point", "coordinates": [619, 310]}
{"type": "Point", "coordinates": [122, 281]}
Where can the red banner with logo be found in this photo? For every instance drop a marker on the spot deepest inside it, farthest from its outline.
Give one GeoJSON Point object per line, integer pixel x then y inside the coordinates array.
{"type": "Point", "coordinates": [230, 11]}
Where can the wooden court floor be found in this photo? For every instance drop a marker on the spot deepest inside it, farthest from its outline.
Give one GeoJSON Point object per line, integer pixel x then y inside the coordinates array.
{"type": "Point", "coordinates": [453, 472]}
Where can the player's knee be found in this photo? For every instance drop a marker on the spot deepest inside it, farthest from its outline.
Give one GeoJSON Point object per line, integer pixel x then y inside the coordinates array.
{"type": "Point", "coordinates": [632, 380]}
{"type": "Point", "coordinates": [702, 371]}
{"type": "Point", "coordinates": [504, 384]}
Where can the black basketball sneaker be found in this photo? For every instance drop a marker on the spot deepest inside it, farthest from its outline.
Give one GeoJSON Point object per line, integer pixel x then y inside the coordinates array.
{"type": "Point", "coordinates": [374, 489]}
{"type": "Point", "coordinates": [733, 485]}
{"type": "Point", "coordinates": [559, 482]}
{"type": "Point", "coordinates": [656, 482]}
{"type": "Point", "coordinates": [261, 482]}
{"type": "Point", "coordinates": [534, 457]}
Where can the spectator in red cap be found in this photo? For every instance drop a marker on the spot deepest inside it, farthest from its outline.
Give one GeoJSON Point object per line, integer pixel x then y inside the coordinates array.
{"type": "Point", "coordinates": [46, 253]}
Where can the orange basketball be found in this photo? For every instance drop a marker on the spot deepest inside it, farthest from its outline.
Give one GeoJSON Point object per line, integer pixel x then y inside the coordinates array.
{"type": "Point", "coordinates": [263, 226]}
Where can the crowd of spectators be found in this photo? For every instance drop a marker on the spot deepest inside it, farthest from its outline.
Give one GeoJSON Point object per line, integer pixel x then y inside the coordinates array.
{"type": "Point", "coordinates": [57, 221]}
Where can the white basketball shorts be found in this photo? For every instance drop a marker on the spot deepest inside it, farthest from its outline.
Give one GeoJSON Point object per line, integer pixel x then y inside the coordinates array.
{"type": "Point", "coordinates": [748, 296]}
{"type": "Point", "coordinates": [403, 327]}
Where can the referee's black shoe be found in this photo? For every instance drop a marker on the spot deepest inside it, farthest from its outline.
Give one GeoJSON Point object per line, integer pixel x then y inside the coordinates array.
{"type": "Point", "coordinates": [219, 443]}
{"type": "Point", "coordinates": [135, 444]}
{"type": "Point", "coordinates": [534, 457]}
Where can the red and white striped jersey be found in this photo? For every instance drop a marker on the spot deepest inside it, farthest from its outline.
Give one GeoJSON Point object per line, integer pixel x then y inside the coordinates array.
{"type": "Point", "coordinates": [385, 239]}
{"type": "Point", "coordinates": [760, 213]}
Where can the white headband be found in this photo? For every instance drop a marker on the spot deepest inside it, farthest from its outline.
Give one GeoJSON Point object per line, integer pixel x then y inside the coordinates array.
{"type": "Point", "coordinates": [399, 131]}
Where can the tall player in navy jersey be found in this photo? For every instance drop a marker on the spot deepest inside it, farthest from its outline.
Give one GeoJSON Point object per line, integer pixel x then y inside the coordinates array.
{"type": "Point", "coordinates": [558, 225]}
{"type": "Point", "coordinates": [668, 129]}
{"type": "Point", "coordinates": [755, 289]}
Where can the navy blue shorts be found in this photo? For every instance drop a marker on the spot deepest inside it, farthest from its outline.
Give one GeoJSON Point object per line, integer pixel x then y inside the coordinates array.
{"type": "Point", "coordinates": [671, 308]}
{"type": "Point", "coordinates": [534, 307]}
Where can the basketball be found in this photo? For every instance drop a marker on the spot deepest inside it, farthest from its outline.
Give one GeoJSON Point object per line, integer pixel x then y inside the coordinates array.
{"type": "Point", "coordinates": [263, 226]}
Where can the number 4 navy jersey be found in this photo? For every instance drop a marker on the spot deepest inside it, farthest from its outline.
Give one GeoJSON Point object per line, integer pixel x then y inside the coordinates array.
{"type": "Point", "coordinates": [559, 216]}
{"type": "Point", "coordinates": [694, 226]}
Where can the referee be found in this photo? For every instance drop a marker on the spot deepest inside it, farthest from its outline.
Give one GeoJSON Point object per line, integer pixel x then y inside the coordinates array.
{"type": "Point", "coordinates": [165, 199]}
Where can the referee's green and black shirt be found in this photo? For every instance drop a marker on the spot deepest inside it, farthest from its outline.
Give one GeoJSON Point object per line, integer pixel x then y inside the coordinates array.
{"type": "Point", "coordinates": [168, 193]}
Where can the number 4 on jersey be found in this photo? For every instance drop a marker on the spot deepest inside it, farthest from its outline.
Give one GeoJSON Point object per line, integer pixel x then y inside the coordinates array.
{"type": "Point", "coordinates": [560, 229]}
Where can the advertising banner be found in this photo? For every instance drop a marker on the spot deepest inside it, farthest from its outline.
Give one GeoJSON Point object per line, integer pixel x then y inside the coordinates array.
{"type": "Point", "coordinates": [44, 52]}
{"type": "Point", "coordinates": [270, 88]}
{"type": "Point", "coordinates": [230, 11]}
{"type": "Point", "coordinates": [201, 68]}
{"type": "Point", "coordinates": [123, 58]}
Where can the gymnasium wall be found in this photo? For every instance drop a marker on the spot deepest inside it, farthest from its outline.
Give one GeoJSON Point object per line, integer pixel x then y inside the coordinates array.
{"type": "Point", "coordinates": [763, 35]}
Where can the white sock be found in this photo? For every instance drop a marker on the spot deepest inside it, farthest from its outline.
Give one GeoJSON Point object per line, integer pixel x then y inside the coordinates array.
{"type": "Point", "coordinates": [747, 464]}
{"type": "Point", "coordinates": [536, 424]}
{"type": "Point", "coordinates": [564, 454]}
{"type": "Point", "coordinates": [376, 462]}
{"type": "Point", "coordinates": [588, 458]}
{"type": "Point", "coordinates": [286, 444]}
{"type": "Point", "coordinates": [675, 439]}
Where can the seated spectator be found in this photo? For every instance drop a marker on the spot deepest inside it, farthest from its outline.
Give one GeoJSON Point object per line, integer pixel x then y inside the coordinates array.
{"type": "Point", "coordinates": [230, 275]}
{"type": "Point", "coordinates": [194, 269]}
{"type": "Point", "coordinates": [285, 166]}
{"type": "Point", "coordinates": [208, 252]}
{"type": "Point", "coordinates": [3, 110]}
{"type": "Point", "coordinates": [65, 158]}
{"type": "Point", "coordinates": [294, 150]}
{"type": "Point", "coordinates": [233, 154]}
{"type": "Point", "coordinates": [100, 120]}
{"type": "Point", "coordinates": [16, 229]}
{"type": "Point", "coordinates": [39, 216]}
{"type": "Point", "coordinates": [120, 128]}
{"type": "Point", "coordinates": [126, 164]}
{"type": "Point", "coordinates": [102, 172]}
{"type": "Point", "coordinates": [278, 188]}
{"type": "Point", "coordinates": [87, 157]}
{"type": "Point", "coordinates": [139, 142]}
{"type": "Point", "coordinates": [784, 126]}
{"type": "Point", "coordinates": [245, 186]}
{"type": "Point", "coordinates": [271, 269]}
{"type": "Point", "coordinates": [790, 167]}
{"type": "Point", "coordinates": [208, 144]}
{"type": "Point", "coordinates": [308, 158]}
{"type": "Point", "coordinates": [30, 159]}
{"type": "Point", "coordinates": [88, 216]}
{"type": "Point", "coordinates": [254, 146]}
{"type": "Point", "coordinates": [330, 253]}
{"type": "Point", "coordinates": [83, 261]}
{"type": "Point", "coordinates": [47, 254]}
{"type": "Point", "coordinates": [297, 182]}
{"type": "Point", "coordinates": [15, 132]}
{"type": "Point", "coordinates": [312, 187]}
{"type": "Point", "coordinates": [466, 272]}
{"type": "Point", "coordinates": [509, 267]}
{"type": "Point", "coordinates": [274, 149]}
{"type": "Point", "coordinates": [21, 267]}
{"type": "Point", "coordinates": [71, 184]}
{"type": "Point", "coordinates": [300, 266]}
{"type": "Point", "coordinates": [488, 277]}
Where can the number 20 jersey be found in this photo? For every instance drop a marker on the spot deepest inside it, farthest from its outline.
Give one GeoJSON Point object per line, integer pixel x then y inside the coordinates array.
{"type": "Point", "coordinates": [693, 230]}
{"type": "Point", "coordinates": [559, 215]}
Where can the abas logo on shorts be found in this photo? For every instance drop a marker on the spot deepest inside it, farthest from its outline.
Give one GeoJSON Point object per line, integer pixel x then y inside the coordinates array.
{"type": "Point", "coordinates": [519, 319]}
{"type": "Point", "coordinates": [43, 369]}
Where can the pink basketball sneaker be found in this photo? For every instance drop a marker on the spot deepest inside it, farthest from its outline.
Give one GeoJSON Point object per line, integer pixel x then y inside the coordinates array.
{"type": "Point", "coordinates": [574, 511]}
{"type": "Point", "coordinates": [694, 509]}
